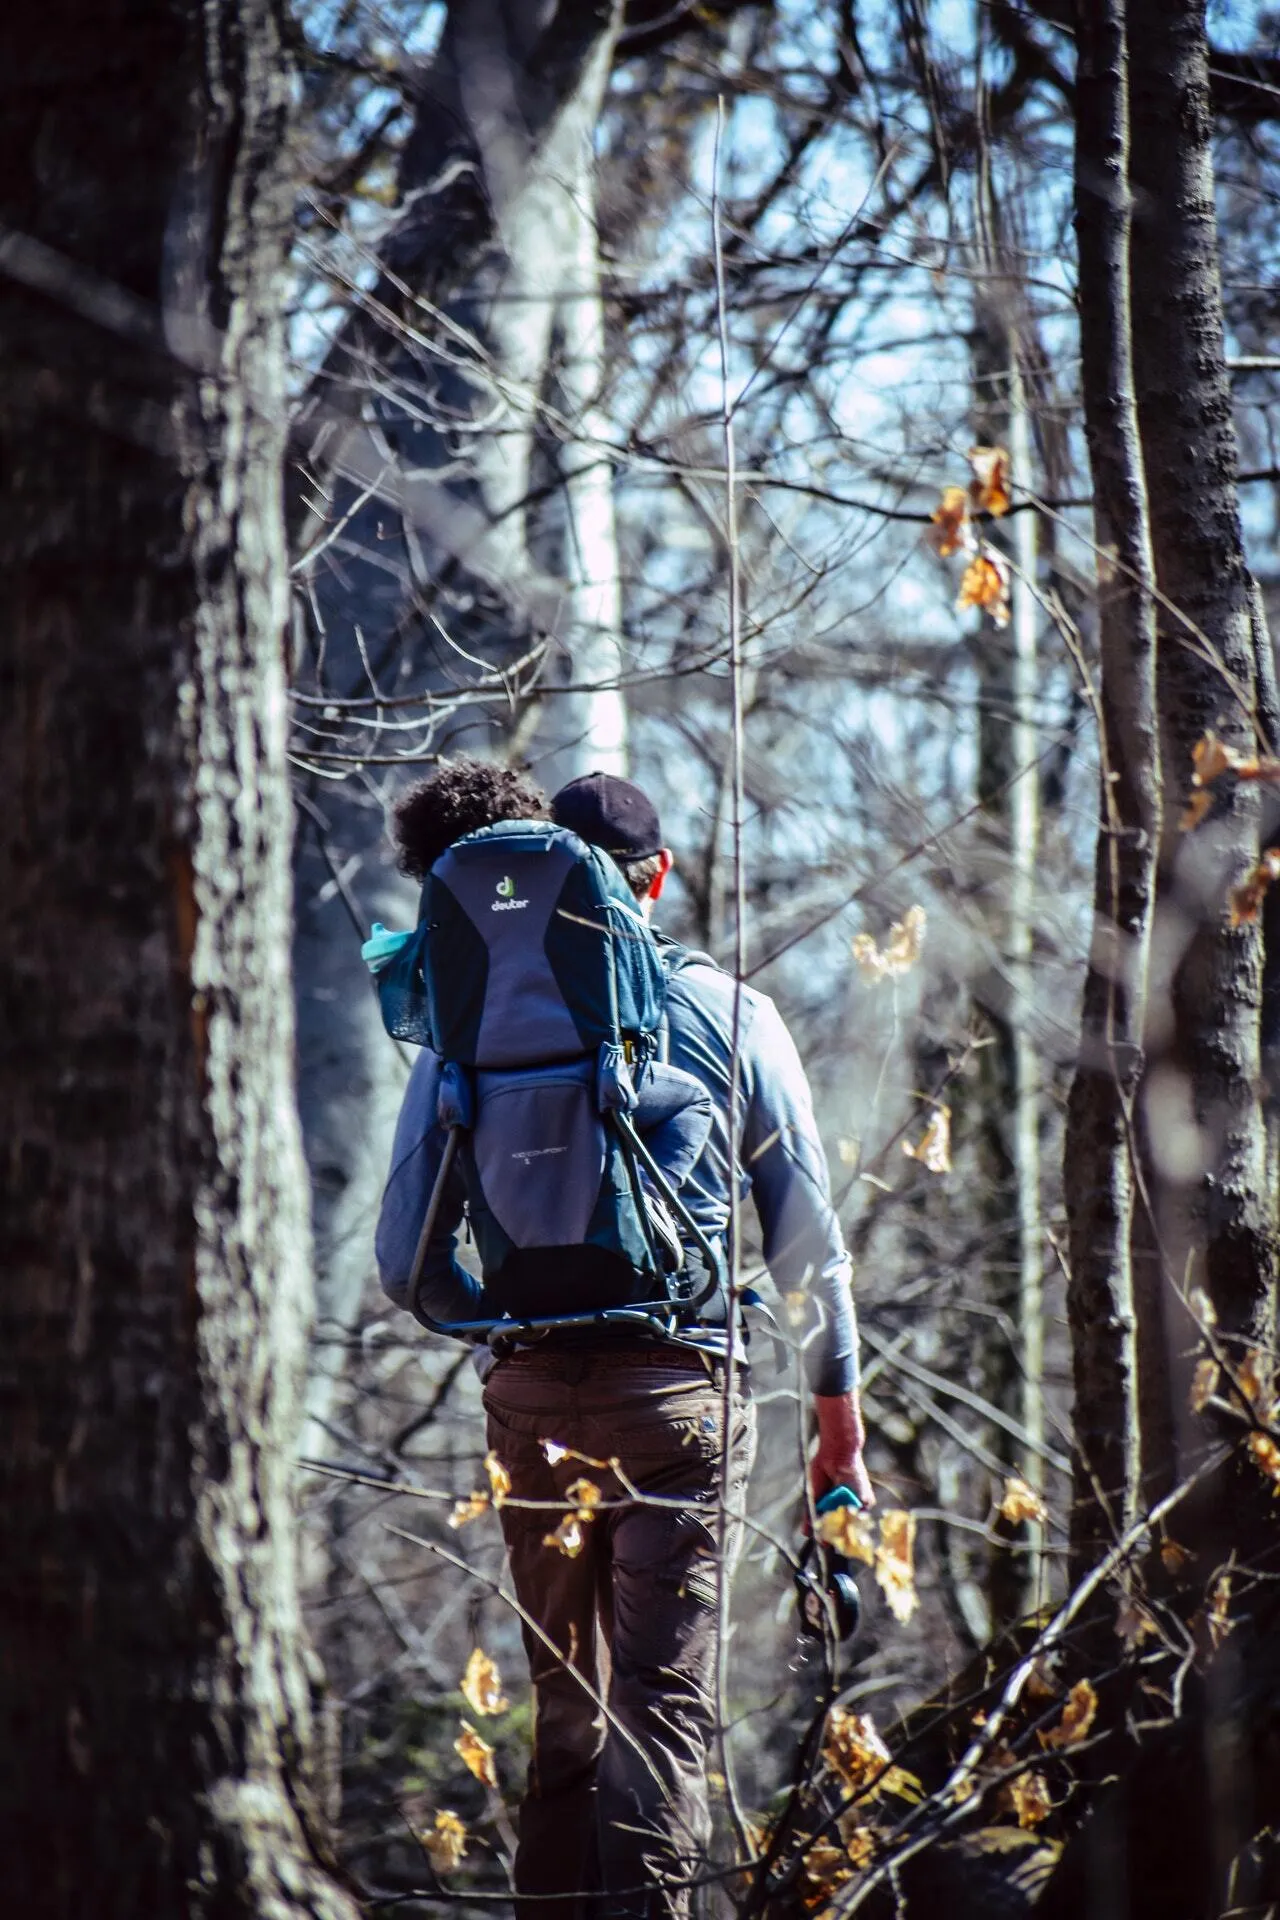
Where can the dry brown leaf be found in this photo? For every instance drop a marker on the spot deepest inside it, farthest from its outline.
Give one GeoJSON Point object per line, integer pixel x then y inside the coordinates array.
{"type": "Point", "coordinates": [469, 1509]}
{"type": "Point", "coordinates": [499, 1478]}
{"type": "Point", "coordinates": [1021, 1502]}
{"type": "Point", "coordinates": [1026, 1796]}
{"type": "Point", "coordinates": [1266, 1456]}
{"type": "Point", "coordinates": [1246, 897]}
{"type": "Point", "coordinates": [985, 584]}
{"type": "Point", "coordinates": [860, 1845]}
{"type": "Point", "coordinates": [584, 1494]}
{"type": "Point", "coordinates": [894, 1566]}
{"type": "Point", "coordinates": [1134, 1624]}
{"type": "Point", "coordinates": [1256, 1382]}
{"type": "Point", "coordinates": [1077, 1718]}
{"type": "Point", "coordinates": [1262, 767]}
{"type": "Point", "coordinates": [1195, 810]}
{"type": "Point", "coordinates": [1219, 1615]}
{"type": "Point", "coordinates": [900, 953]}
{"type": "Point", "coordinates": [481, 1686]}
{"type": "Point", "coordinates": [854, 1750]}
{"type": "Point", "coordinates": [1202, 1308]}
{"type": "Point", "coordinates": [1174, 1557]}
{"type": "Point", "coordinates": [933, 1150]}
{"type": "Point", "coordinates": [989, 488]}
{"type": "Point", "coordinates": [476, 1755]}
{"type": "Point", "coordinates": [1042, 1682]}
{"type": "Point", "coordinates": [1204, 1382]}
{"type": "Point", "coordinates": [554, 1453]}
{"type": "Point", "coordinates": [446, 1843]}
{"type": "Point", "coordinates": [851, 1533]}
{"type": "Point", "coordinates": [1210, 759]}
{"type": "Point", "coordinates": [963, 1787]}
{"type": "Point", "coordinates": [952, 531]}
{"type": "Point", "coordinates": [568, 1537]}
{"type": "Point", "coordinates": [826, 1867]}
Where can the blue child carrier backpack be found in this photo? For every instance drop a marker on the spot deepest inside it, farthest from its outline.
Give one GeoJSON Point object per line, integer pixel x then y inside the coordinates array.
{"type": "Point", "coordinates": [537, 980]}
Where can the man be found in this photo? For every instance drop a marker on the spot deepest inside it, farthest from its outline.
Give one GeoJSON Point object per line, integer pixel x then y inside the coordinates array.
{"type": "Point", "coordinates": [622, 1643]}
{"type": "Point", "coordinates": [780, 1158]}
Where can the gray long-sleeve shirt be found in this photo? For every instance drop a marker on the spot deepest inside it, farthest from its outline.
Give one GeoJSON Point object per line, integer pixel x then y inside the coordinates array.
{"type": "Point", "coordinates": [780, 1166]}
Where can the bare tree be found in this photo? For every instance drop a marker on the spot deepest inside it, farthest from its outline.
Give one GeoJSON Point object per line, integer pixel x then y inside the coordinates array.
{"type": "Point", "coordinates": [1100, 1166]}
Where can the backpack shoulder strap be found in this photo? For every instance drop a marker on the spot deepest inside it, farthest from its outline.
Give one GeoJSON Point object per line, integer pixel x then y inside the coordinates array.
{"type": "Point", "coordinates": [675, 958]}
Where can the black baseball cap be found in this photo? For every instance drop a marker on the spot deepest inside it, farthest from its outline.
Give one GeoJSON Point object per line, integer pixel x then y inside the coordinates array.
{"type": "Point", "coordinates": [610, 813]}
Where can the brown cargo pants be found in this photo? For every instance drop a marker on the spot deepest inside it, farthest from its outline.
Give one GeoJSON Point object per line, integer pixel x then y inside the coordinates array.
{"type": "Point", "coordinates": [615, 1813]}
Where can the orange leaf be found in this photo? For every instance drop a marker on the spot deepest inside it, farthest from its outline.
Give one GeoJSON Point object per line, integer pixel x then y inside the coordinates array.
{"type": "Point", "coordinates": [481, 1686]}
{"type": "Point", "coordinates": [469, 1509]}
{"type": "Point", "coordinates": [901, 948]}
{"type": "Point", "coordinates": [934, 1149]}
{"type": "Point", "coordinates": [476, 1755]}
{"type": "Point", "coordinates": [1174, 1556]}
{"type": "Point", "coordinates": [860, 1844]}
{"type": "Point", "coordinates": [1266, 1456]}
{"type": "Point", "coordinates": [446, 1845]}
{"type": "Point", "coordinates": [1204, 1383]}
{"type": "Point", "coordinates": [1246, 899]}
{"type": "Point", "coordinates": [989, 488]}
{"type": "Point", "coordinates": [499, 1478]}
{"type": "Point", "coordinates": [851, 1533]}
{"type": "Point", "coordinates": [895, 1569]}
{"type": "Point", "coordinates": [953, 532]}
{"type": "Point", "coordinates": [1077, 1718]}
{"type": "Point", "coordinates": [568, 1536]}
{"type": "Point", "coordinates": [1021, 1502]}
{"type": "Point", "coordinates": [1210, 759]}
{"type": "Point", "coordinates": [853, 1749]}
{"type": "Point", "coordinates": [1027, 1798]}
{"type": "Point", "coordinates": [986, 585]}
{"type": "Point", "coordinates": [1195, 810]}
{"type": "Point", "coordinates": [1255, 1381]}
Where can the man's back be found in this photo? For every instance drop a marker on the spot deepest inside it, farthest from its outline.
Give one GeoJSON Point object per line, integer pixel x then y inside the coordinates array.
{"type": "Point", "coordinates": [781, 1164]}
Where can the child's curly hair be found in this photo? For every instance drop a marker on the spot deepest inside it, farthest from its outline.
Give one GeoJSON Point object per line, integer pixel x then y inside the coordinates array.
{"type": "Point", "coordinates": [460, 798]}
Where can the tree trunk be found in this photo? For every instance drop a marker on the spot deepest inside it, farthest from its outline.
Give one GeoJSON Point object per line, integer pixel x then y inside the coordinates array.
{"type": "Point", "coordinates": [1098, 1173]}
{"type": "Point", "coordinates": [154, 1234]}
{"type": "Point", "coordinates": [1214, 1214]}
{"type": "Point", "coordinates": [1008, 1084]}
{"type": "Point", "coordinates": [438, 396]}
{"type": "Point", "coordinates": [493, 266]}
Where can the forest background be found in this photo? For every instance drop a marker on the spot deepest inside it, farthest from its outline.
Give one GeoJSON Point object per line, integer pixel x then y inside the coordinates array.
{"type": "Point", "coordinates": [855, 423]}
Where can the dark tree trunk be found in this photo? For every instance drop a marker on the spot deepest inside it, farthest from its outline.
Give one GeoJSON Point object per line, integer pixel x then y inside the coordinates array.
{"type": "Point", "coordinates": [156, 1706]}
{"type": "Point", "coordinates": [1098, 1173]}
{"type": "Point", "coordinates": [1214, 1214]}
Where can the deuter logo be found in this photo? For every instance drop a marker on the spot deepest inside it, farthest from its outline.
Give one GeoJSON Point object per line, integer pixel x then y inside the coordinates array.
{"type": "Point", "coordinates": [506, 886]}
{"type": "Point", "coordinates": [506, 904]}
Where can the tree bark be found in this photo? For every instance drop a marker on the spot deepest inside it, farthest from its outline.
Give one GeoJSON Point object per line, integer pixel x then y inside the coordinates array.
{"type": "Point", "coordinates": [1098, 1172]}
{"type": "Point", "coordinates": [1007, 1110]}
{"type": "Point", "coordinates": [154, 1237]}
{"type": "Point", "coordinates": [1213, 1212]}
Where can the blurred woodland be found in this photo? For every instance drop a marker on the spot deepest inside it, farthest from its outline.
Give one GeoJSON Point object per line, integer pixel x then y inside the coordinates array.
{"type": "Point", "coordinates": [855, 420]}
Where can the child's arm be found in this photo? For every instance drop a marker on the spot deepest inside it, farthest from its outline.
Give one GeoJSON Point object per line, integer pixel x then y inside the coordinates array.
{"type": "Point", "coordinates": [673, 1118]}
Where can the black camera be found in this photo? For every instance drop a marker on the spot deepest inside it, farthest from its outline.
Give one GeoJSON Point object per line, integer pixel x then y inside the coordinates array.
{"type": "Point", "coordinates": [826, 1594]}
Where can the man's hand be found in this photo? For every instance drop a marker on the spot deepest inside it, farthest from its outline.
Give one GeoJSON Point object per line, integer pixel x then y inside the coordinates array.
{"type": "Point", "coordinates": [841, 1438]}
